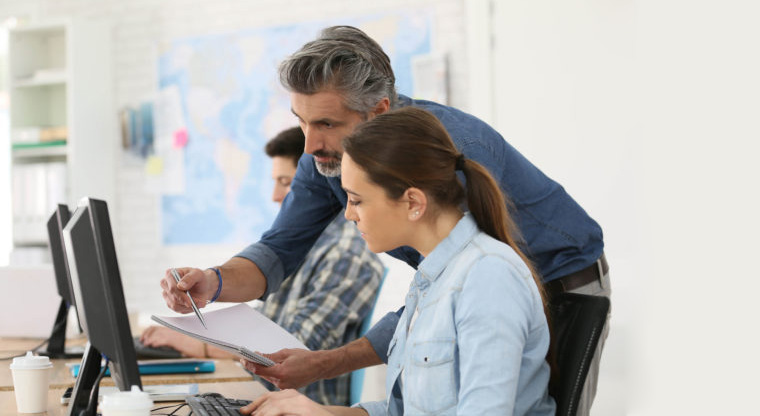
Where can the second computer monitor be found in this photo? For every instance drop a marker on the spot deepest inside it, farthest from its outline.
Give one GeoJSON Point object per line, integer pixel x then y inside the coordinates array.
{"type": "Point", "coordinates": [57, 341]}
{"type": "Point", "coordinates": [97, 287]}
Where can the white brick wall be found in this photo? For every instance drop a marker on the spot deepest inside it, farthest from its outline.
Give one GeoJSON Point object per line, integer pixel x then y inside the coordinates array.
{"type": "Point", "coordinates": [140, 27]}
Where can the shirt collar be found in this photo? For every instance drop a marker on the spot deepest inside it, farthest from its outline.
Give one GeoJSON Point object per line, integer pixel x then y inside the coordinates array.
{"type": "Point", "coordinates": [404, 101]}
{"type": "Point", "coordinates": [434, 264]}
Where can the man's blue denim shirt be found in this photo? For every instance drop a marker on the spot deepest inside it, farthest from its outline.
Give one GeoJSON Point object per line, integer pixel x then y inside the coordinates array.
{"type": "Point", "coordinates": [558, 235]}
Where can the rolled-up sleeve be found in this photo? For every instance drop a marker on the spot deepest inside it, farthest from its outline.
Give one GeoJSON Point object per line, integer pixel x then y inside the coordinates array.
{"type": "Point", "coordinates": [306, 211]}
{"type": "Point", "coordinates": [268, 263]}
{"type": "Point", "coordinates": [381, 333]}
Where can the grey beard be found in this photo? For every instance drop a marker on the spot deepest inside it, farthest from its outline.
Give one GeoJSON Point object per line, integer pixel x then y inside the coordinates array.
{"type": "Point", "coordinates": [331, 170]}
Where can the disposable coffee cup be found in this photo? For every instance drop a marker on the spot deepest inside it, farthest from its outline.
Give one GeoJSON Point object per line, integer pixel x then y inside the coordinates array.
{"type": "Point", "coordinates": [31, 379]}
{"type": "Point", "coordinates": [126, 403]}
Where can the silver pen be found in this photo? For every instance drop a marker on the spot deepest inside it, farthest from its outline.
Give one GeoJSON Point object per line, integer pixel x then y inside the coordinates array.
{"type": "Point", "coordinates": [192, 302]}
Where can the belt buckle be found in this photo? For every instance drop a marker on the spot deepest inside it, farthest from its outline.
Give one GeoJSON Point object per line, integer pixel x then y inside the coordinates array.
{"type": "Point", "coordinates": [601, 272]}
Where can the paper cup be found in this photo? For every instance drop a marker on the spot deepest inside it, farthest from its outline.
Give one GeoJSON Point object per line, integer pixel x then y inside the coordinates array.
{"type": "Point", "coordinates": [31, 380]}
{"type": "Point", "coordinates": [127, 403]}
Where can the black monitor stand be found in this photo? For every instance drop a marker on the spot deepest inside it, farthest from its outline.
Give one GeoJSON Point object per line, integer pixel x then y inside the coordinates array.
{"type": "Point", "coordinates": [57, 341]}
{"type": "Point", "coordinates": [87, 384]}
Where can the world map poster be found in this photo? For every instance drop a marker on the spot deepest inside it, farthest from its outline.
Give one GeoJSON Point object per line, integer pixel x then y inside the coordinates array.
{"type": "Point", "coordinates": [220, 101]}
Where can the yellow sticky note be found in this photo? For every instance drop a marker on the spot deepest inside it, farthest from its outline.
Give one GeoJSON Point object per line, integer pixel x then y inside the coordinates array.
{"type": "Point", "coordinates": [154, 165]}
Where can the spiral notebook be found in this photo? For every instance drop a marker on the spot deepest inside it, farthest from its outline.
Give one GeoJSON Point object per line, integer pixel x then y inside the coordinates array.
{"type": "Point", "coordinates": [239, 329]}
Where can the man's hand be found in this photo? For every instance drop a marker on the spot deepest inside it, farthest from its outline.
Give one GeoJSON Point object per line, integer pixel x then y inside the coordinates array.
{"type": "Point", "coordinates": [295, 368]}
{"type": "Point", "coordinates": [201, 284]}
{"type": "Point", "coordinates": [157, 336]}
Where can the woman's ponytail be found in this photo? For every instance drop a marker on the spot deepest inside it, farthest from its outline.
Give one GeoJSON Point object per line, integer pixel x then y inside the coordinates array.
{"type": "Point", "coordinates": [488, 206]}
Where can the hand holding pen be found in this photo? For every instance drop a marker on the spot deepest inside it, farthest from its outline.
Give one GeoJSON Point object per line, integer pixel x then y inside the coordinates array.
{"type": "Point", "coordinates": [170, 293]}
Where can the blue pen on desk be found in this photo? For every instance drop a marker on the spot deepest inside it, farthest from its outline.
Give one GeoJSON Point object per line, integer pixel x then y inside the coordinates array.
{"type": "Point", "coordinates": [192, 302]}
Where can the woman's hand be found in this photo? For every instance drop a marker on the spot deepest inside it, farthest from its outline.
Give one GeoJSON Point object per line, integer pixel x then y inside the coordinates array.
{"type": "Point", "coordinates": [285, 402]}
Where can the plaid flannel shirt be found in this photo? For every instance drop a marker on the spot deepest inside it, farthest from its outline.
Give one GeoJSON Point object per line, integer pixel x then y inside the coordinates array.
{"type": "Point", "coordinates": [325, 301]}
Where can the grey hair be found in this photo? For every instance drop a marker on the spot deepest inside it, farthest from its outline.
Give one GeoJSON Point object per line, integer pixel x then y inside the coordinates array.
{"type": "Point", "coordinates": [345, 59]}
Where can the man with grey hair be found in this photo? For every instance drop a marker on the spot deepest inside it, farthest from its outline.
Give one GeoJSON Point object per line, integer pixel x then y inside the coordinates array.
{"type": "Point", "coordinates": [336, 82]}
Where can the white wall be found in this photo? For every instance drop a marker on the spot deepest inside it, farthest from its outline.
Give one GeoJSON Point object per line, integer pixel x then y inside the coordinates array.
{"type": "Point", "coordinates": [646, 111]}
{"type": "Point", "coordinates": [698, 106]}
{"type": "Point", "coordinates": [562, 95]}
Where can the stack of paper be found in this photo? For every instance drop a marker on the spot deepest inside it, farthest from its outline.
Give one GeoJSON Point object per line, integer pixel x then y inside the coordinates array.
{"type": "Point", "coordinates": [239, 329]}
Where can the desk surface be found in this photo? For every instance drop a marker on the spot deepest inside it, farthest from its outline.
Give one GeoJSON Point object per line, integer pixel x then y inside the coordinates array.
{"type": "Point", "coordinates": [239, 390]}
{"type": "Point", "coordinates": [226, 370]}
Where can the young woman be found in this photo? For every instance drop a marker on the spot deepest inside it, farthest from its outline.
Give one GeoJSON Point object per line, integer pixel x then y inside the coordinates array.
{"type": "Point", "coordinates": [473, 337]}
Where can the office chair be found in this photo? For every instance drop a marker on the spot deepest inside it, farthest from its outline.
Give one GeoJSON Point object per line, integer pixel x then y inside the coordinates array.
{"type": "Point", "coordinates": [577, 321]}
{"type": "Point", "coordinates": [357, 376]}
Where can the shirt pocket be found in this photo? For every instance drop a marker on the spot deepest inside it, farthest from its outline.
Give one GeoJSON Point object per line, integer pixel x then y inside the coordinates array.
{"type": "Point", "coordinates": [430, 379]}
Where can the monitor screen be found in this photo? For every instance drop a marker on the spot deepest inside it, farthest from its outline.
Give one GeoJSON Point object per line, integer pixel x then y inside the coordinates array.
{"type": "Point", "coordinates": [98, 292]}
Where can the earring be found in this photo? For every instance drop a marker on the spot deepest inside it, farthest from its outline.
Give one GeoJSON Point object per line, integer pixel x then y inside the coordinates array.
{"type": "Point", "coordinates": [416, 213]}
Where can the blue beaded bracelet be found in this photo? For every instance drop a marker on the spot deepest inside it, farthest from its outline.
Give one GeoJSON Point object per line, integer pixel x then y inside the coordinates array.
{"type": "Point", "coordinates": [219, 290]}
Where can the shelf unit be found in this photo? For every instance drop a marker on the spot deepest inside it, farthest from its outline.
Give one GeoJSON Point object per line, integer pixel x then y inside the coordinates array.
{"type": "Point", "coordinates": [62, 121]}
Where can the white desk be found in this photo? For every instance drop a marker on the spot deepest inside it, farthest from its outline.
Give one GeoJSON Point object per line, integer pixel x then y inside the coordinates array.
{"type": "Point", "coordinates": [239, 390]}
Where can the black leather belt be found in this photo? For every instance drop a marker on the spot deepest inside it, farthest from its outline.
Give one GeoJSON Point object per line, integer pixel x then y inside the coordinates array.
{"type": "Point", "coordinates": [580, 278]}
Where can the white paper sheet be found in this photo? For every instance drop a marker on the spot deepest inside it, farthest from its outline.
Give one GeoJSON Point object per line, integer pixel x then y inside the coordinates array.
{"type": "Point", "coordinates": [239, 325]}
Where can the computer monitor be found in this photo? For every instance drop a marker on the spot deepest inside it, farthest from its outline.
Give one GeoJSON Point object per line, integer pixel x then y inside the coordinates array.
{"type": "Point", "coordinates": [57, 341]}
{"type": "Point", "coordinates": [101, 308]}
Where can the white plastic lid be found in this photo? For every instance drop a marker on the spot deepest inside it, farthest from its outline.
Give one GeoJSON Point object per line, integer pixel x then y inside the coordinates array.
{"type": "Point", "coordinates": [31, 362]}
{"type": "Point", "coordinates": [134, 399]}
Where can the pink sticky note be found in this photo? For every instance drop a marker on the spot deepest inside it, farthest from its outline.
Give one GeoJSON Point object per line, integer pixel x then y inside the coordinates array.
{"type": "Point", "coordinates": [180, 138]}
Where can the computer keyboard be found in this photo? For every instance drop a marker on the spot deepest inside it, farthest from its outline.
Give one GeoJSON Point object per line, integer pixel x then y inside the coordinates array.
{"type": "Point", "coordinates": [214, 404]}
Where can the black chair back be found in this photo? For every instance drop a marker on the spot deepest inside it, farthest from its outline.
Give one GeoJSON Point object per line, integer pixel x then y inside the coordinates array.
{"type": "Point", "coordinates": [577, 322]}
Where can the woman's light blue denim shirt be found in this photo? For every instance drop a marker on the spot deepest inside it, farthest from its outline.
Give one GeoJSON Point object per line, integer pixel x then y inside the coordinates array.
{"type": "Point", "coordinates": [479, 341]}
